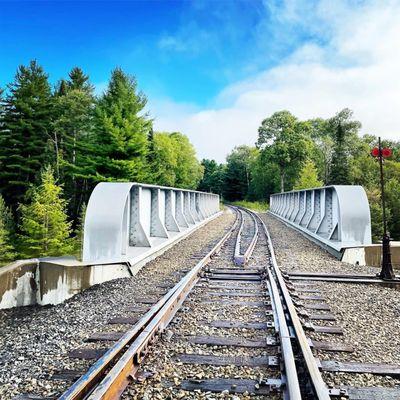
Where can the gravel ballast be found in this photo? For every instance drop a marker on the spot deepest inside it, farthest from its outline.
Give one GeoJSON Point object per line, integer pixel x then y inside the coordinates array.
{"type": "Point", "coordinates": [368, 314]}
{"type": "Point", "coordinates": [193, 319]}
{"type": "Point", "coordinates": [35, 341]}
{"type": "Point", "coordinates": [308, 256]}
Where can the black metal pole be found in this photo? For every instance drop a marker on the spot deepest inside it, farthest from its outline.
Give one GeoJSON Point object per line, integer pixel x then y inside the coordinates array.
{"type": "Point", "coordinates": [387, 268]}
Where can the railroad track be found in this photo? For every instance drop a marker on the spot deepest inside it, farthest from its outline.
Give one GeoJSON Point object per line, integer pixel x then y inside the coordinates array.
{"type": "Point", "coordinates": [256, 295]}
{"type": "Point", "coordinates": [238, 326]}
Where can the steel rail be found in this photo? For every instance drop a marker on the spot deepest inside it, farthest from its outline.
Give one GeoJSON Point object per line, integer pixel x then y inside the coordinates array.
{"type": "Point", "coordinates": [291, 375]}
{"type": "Point", "coordinates": [320, 389]}
{"type": "Point", "coordinates": [118, 377]}
{"type": "Point", "coordinates": [236, 255]}
{"type": "Point", "coordinates": [110, 374]}
{"type": "Point", "coordinates": [241, 259]}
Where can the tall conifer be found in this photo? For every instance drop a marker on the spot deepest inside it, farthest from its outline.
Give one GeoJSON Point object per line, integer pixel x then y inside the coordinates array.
{"type": "Point", "coordinates": [24, 132]}
{"type": "Point", "coordinates": [339, 172]}
{"type": "Point", "coordinates": [122, 131]}
{"type": "Point", "coordinates": [45, 230]}
{"type": "Point", "coordinates": [6, 248]}
{"type": "Point", "coordinates": [73, 137]}
{"type": "Point", "coordinates": [79, 231]}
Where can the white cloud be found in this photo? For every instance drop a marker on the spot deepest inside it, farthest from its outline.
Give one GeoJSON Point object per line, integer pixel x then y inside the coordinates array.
{"type": "Point", "coordinates": [357, 68]}
{"type": "Point", "coordinates": [172, 43]}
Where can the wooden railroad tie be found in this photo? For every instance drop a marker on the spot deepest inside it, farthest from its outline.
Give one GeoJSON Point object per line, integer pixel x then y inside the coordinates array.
{"type": "Point", "coordinates": [367, 393]}
{"type": "Point", "coordinates": [330, 346]}
{"type": "Point", "coordinates": [239, 303]}
{"type": "Point", "coordinates": [239, 325]}
{"type": "Point", "coordinates": [239, 386]}
{"type": "Point", "coordinates": [105, 336]}
{"type": "Point", "coordinates": [84, 353]}
{"type": "Point", "coordinates": [360, 368]}
{"type": "Point", "coordinates": [233, 341]}
{"type": "Point", "coordinates": [235, 293]}
{"type": "Point", "coordinates": [240, 361]}
{"type": "Point", "coordinates": [255, 287]}
{"type": "Point", "coordinates": [66, 375]}
{"type": "Point", "coordinates": [123, 320]}
{"type": "Point", "coordinates": [235, 271]}
{"type": "Point", "coordinates": [226, 277]}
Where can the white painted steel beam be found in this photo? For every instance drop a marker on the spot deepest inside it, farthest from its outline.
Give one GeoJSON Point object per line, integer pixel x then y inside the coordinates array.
{"type": "Point", "coordinates": [127, 221]}
{"type": "Point", "coordinates": [336, 216]}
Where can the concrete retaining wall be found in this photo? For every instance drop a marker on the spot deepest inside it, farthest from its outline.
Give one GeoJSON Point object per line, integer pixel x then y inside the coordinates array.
{"type": "Point", "coordinates": [19, 283]}
{"type": "Point", "coordinates": [371, 255]}
{"type": "Point", "coordinates": [126, 226]}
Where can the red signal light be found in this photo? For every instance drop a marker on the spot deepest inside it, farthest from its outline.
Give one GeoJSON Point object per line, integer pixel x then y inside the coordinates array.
{"type": "Point", "coordinates": [375, 152]}
{"type": "Point", "coordinates": [386, 152]}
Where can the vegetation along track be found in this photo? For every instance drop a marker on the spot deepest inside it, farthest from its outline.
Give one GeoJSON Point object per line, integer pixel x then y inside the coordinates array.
{"type": "Point", "coordinates": [238, 334]}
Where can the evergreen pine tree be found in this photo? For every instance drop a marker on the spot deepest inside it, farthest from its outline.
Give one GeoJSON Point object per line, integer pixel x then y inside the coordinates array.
{"type": "Point", "coordinates": [6, 249]}
{"type": "Point", "coordinates": [1, 105]}
{"type": "Point", "coordinates": [73, 138]}
{"type": "Point", "coordinates": [44, 228]}
{"type": "Point", "coordinates": [339, 171]}
{"type": "Point", "coordinates": [122, 131]}
{"type": "Point", "coordinates": [78, 80]}
{"type": "Point", "coordinates": [61, 88]}
{"type": "Point", "coordinates": [79, 232]}
{"type": "Point", "coordinates": [24, 132]}
{"type": "Point", "coordinates": [151, 149]}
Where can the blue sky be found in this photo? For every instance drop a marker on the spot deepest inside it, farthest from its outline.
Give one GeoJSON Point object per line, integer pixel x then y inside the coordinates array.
{"type": "Point", "coordinates": [214, 69]}
{"type": "Point", "coordinates": [187, 51]}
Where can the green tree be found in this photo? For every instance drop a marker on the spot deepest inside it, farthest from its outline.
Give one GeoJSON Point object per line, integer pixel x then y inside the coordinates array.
{"type": "Point", "coordinates": [286, 142]}
{"type": "Point", "coordinates": [78, 80]}
{"type": "Point", "coordinates": [322, 147]}
{"type": "Point", "coordinates": [238, 172]}
{"type": "Point", "coordinates": [45, 230]}
{"type": "Point", "coordinates": [308, 177]}
{"type": "Point", "coordinates": [24, 132]}
{"type": "Point", "coordinates": [393, 202]}
{"type": "Point", "coordinates": [162, 159]}
{"type": "Point", "coordinates": [340, 168]}
{"type": "Point", "coordinates": [7, 252]}
{"type": "Point", "coordinates": [188, 171]}
{"type": "Point", "coordinates": [213, 177]}
{"type": "Point", "coordinates": [1, 105]}
{"type": "Point", "coordinates": [375, 207]}
{"type": "Point", "coordinates": [344, 131]}
{"type": "Point", "coordinates": [264, 178]}
{"type": "Point", "coordinates": [364, 169]}
{"type": "Point", "coordinates": [79, 232]}
{"type": "Point", "coordinates": [392, 191]}
{"type": "Point", "coordinates": [73, 138]}
{"type": "Point", "coordinates": [122, 131]}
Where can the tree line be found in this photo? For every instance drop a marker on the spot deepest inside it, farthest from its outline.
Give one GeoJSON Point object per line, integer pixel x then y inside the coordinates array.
{"type": "Point", "coordinates": [295, 154]}
{"type": "Point", "coordinates": [57, 143]}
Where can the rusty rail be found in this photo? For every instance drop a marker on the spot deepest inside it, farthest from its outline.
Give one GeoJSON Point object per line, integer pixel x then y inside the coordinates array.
{"type": "Point", "coordinates": [321, 392]}
{"type": "Point", "coordinates": [110, 374]}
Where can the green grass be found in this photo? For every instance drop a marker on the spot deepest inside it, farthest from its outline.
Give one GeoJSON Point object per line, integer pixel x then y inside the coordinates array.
{"type": "Point", "coordinates": [258, 206]}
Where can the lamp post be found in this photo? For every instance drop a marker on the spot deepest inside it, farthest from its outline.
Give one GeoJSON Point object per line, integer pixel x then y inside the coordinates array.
{"type": "Point", "coordinates": [387, 268]}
